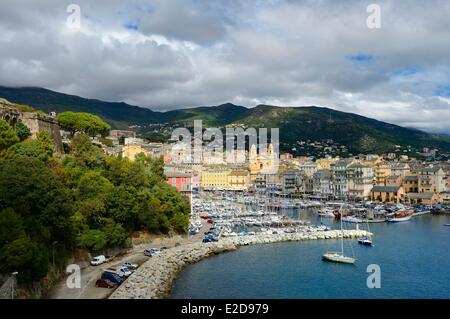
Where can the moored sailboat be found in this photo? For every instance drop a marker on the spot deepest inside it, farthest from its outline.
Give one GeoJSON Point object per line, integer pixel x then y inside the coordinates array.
{"type": "Point", "coordinates": [339, 257]}
{"type": "Point", "coordinates": [366, 241]}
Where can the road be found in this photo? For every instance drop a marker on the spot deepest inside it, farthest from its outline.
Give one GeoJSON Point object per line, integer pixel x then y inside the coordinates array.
{"type": "Point", "coordinates": [90, 274]}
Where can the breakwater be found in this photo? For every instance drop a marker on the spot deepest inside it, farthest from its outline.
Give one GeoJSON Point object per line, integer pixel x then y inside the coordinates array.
{"type": "Point", "coordinates": [154, 279]}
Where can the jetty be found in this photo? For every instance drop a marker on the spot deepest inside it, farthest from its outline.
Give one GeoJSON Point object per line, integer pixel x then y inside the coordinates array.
{"type": "Point", "coordinates": [155, 278]}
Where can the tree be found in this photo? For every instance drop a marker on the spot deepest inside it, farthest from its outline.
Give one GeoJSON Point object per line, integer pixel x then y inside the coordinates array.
{"type": "Point", "coordinates": [93, 239]}
{"type": "Point", "coordinates": [11, 226]}
{"type": "Point", "coordinates": [123, 171]}
{"type": "Point", "coordinates": [157, 167]}
{"type": "Point", "coordinates": [93, 185]}
{"type": "Point", "coordinates": [90, 154]}
{"type": "Point", "coordinates": [180, 222]}
{"type": "Point", "coordinates": [116, 235]}
{"type": "Point", "coordinates": [122, 206]}
{"type": "Point", "coordinates": [156, 137]}
{"type": "Point", "coordinates": [29, 187]}
{"type": "Point", "coordinates": [84, 123]}
{"type": "Point", "coordinates": [8, 136]}
{"type": "Point", "coordinates": [23, 132]}
{"type": "Point", "coordinates": [41, 147]}
{"type": "Point", "coordinates": [27, 257]}
{"type": "Point", "coordinates": [92, 211]}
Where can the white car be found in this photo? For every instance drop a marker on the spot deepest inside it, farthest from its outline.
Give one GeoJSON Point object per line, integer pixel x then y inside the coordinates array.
{"type": "Point", "coordinates": [130, 266]}
{"type": "Point", "coordinates": [98, 260]}
{"type": "Point", "coordinates": [123, 272]}
{"type": "Point", "coordinates": [152, 252]}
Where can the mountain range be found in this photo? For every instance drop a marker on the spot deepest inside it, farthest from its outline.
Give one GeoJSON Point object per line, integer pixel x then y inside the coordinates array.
{"type": "Point", "coordinates": [360, 134]}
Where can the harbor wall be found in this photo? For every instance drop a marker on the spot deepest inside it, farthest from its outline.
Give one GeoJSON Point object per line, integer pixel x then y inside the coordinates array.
{"type": "Point", "coordinates": [155, 278]}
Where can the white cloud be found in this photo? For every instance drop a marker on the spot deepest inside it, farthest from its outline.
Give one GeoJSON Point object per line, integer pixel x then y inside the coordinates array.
{"type": "Point", "coordinates": [186, 53]}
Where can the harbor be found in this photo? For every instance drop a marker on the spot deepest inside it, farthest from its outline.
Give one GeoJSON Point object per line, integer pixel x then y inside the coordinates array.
{"type": "Point", "coordinates": [240, 220]}
{"type": "Point", "coordinates": [244, 214]}
{"type": "Point", "coordinates": [155, 278]}
{"type": "Point", "coordinates": [412, 255]}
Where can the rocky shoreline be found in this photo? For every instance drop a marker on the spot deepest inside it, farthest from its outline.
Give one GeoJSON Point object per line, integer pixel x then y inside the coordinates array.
{"type": "Point", "coordinates": [154, 279]}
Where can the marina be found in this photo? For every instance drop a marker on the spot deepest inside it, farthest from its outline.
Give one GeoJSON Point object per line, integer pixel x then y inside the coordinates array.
{"type": "Point", "coordinates": [402, 250]}
{"type": "Point", "coordinates": [267, 239]}
{"type": "Point", "coordinates": [244, 214]}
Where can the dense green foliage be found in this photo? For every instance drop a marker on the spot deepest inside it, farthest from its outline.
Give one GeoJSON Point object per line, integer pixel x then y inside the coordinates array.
{"type": "Point", "coordinates": [41, 148]}
{"type": "Point", "coordinates": [8, 136]}
{"type": "Point", "coordinates": [23, 132]}
{"type": "Point", "coordinates": [87, 200]}
{"type": "Point", "coordinates": [358, 133]}
{"type": "Point", "coordinates": [156, 137]}
{"type": "Point", "coordinates": [86, 123]}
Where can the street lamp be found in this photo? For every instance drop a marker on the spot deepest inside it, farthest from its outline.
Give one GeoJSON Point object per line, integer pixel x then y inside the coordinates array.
{"type": "Point", "coordinates": [12, 283]}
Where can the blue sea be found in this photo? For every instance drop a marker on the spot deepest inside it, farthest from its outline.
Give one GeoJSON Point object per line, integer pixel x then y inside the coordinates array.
{"type": "Point", "coordinates": [414, 259]}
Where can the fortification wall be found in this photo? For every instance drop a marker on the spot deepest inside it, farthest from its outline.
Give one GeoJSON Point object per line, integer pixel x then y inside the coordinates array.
{"type": "Point", "coordinates": [38, 123]}
{"type": "Point", "coordinates": [34, 121]}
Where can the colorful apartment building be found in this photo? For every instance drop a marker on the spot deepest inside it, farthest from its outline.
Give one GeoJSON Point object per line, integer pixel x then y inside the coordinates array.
{"type": "Point", "coordinates": [382, 171]}
{"type": "Point", "coordinates": [432, 179]}
{"type": "Point", "coordinates": [181, 181]}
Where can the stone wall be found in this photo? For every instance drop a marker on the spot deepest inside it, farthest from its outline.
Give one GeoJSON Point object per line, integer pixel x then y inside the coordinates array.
{"type": "Point", "coordinates": [9, 115]}
{"type": "Point", "coordinates": [38, 123]}
{"type": "Point", "coordinates": [154, 279]}
{"type": "Point", "coordinates": [34, 121]}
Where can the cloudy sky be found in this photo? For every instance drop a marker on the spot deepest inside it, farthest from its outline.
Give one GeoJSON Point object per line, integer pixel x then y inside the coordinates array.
{"type": "Point", "coordinates": [166, 54]}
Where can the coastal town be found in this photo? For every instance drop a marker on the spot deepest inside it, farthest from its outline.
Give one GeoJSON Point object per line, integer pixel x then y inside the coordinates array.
{"type": "Point", "coordinates": [385, 178]}
{"type": "Point", "coordinates": [235, 158]}
{"type": "Point", "coordinates": [266, 198]}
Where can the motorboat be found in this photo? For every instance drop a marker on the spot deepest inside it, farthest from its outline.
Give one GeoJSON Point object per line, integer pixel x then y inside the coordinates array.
{"type": "Point", "coordinates": [399, 216]}
{"type": "Point", "coordinates": [351, 219]}
{"type": "Point", "coordinates": [366, 241]}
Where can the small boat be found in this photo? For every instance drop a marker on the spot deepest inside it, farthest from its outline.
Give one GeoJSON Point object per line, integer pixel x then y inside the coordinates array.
{"type": "Point", "coordinates": [326, 213]}
{"type": "Point", "coordinates": [400, 216]}
{"type": "Point", "coordinates": [351, 219]}
{"type": "Point", "coordinates": [366, 241]}
{"type": "Point", "coordinates": [447, 225]}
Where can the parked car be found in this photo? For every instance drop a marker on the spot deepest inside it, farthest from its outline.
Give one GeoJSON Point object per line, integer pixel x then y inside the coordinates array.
{"type": "Point", "coordinates": [123, 272]}
{"type": "Point", "coordinates": [152, 252]}
{"type": "Point", "coordinates": [209, 238]}
{"type": "Point", "coordinates": [112, 276]}
{"type": "Point", "coordinates": [104, 283]}
{"type": "Point", "coordinates": [130, 266]}
{"type": "Point", "coordinates": [98, 260]}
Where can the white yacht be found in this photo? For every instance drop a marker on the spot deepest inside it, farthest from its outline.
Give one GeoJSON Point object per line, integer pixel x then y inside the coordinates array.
{"type": "Point", "coordinates": [339, 257]}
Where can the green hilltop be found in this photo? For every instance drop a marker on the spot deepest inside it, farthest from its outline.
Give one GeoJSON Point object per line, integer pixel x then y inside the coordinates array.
{"type": "Point", "coordinates": [360, 134]}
